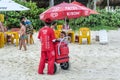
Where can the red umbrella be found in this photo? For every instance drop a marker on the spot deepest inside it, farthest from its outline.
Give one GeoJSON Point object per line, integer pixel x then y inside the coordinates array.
{"type": "Point", "coordinates": [80, 4]}
{"type": "Point", "coordinates": [64, 10]}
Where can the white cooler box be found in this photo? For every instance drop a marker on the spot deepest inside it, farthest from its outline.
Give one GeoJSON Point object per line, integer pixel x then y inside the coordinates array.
{"type": "Point", "coordinates": [103, 37]}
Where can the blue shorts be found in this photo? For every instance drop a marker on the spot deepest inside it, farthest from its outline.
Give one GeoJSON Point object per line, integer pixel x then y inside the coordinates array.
{"type": "Point", "coordinates": [23, 37]}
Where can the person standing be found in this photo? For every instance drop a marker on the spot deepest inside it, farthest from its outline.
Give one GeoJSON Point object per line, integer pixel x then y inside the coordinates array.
{"type": "Point", "coordinates": [47, 37]}
{"type": "Point", "coordinates": [29, 29]}
{"type": "Point", "coordinates": [22, 35]}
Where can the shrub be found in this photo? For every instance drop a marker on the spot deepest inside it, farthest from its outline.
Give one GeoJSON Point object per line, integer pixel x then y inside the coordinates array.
{"type": "Point", "coordinates": [105, 20]}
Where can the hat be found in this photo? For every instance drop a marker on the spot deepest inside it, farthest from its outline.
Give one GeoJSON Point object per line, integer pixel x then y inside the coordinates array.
{"type": "Point", "coordinates": [48, 20]}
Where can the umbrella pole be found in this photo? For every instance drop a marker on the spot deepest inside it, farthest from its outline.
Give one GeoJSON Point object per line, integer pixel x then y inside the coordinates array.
{"type": "Point", "coordinates": [74, 23]}
{"type": "Point", "coordinates": [65, 21]}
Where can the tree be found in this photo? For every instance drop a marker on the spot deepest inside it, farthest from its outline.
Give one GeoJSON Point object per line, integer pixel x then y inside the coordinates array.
{"type": "Point", "coordinates": [46, 3]}
{"type": "Point", "coordinates": [41, 3]}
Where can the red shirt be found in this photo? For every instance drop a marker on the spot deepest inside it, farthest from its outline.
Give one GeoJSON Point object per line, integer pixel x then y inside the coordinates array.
{"type": "Point", "coordinates": [46, 35]}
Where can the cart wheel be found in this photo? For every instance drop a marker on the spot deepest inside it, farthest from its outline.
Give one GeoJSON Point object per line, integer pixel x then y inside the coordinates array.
{"type": "Point", "coordinates": [55, 68]}
{"type": "Point", "coordinates": [65, 65]}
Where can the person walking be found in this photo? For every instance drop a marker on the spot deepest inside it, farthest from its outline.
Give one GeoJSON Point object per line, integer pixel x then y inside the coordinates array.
{"type": "Point", "coordinates": [47, 37]}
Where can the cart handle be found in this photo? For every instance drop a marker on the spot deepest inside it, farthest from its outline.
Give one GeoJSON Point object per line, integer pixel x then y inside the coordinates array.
{"type": "Point", "coordinates": [60, 44]}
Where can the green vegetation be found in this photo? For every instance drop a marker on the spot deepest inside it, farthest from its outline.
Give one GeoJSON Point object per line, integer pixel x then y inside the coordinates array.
{"type": "Point", "coordinates": [12, 18]}
{"type": "Point", "coordinates": [104, 20]}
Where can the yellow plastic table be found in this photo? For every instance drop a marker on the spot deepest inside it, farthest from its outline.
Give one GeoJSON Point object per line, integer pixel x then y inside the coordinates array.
{"type": "Point", "coordinates": [57, 34]}
{"type": "Point", "coordinates": [14, 36]}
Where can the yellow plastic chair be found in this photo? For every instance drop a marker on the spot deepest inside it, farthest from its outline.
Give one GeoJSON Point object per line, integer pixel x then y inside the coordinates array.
{"type": "Point", "coordinates": [57, 34]}
{"type": "Point", "coordinates": [59, 27]}
{"type": "Point", "coordinates": [1, 39]}
{"type": "Point", "coordinates": [31, 39]}
{"type": "Point", "coordinates": [84, 33]}
{"type": "Point", "coordinates": [72, 35]}
{"type": "Point", "coordinates": [15, 37]}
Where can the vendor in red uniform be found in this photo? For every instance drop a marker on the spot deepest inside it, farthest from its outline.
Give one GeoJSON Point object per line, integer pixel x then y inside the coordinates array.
{"type": "Point", "coordinates": [47, 37]}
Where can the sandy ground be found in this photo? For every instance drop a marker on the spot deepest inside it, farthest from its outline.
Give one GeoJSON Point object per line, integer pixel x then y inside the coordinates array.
{"type": "Point", "coordinates": [87, 62]}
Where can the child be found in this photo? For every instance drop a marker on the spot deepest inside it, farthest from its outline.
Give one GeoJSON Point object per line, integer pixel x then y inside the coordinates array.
{"type": "Point", "coordinates": [63, 41]}
{"type": "Point", "coordinates": [23, 35]}
{"type": "Point", "coordinates": [63, 37]}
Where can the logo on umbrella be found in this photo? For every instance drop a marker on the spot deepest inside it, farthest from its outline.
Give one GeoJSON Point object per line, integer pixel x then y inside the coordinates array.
{"type": "Point", "coordinates": [71, 8]}
{"type": "Point", "coordinates": [56, 9]}
{"type": "Point", "coordinates": [72, 13]}
{"type": "Point", "coordinates": [54, 15]}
